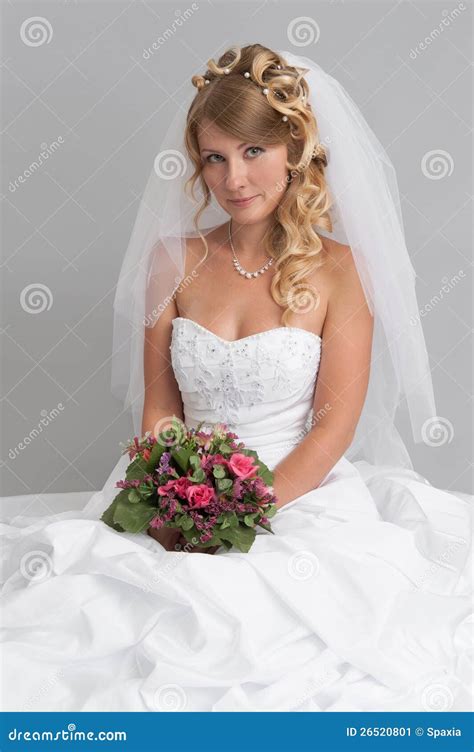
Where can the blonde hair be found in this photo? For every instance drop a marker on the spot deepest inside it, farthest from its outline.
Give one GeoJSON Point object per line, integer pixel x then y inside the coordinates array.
{"type": "Point", "coordinates": [236, 106]}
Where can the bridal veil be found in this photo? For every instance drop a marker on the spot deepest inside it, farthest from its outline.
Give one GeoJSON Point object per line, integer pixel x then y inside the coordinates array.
{"type": "Point", "coordinates": [365, 214]}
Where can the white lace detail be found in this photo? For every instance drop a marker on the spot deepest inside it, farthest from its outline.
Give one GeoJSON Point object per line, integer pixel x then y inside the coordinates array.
{"type": "Point", "coordinates": [222, 377]}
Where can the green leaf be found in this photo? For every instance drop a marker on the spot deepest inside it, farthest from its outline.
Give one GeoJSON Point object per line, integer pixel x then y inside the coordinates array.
{"type": "Point", "coordinates": [249, 520]}
{"type": "Point", "coordinates": [133, 496]}
{"type": "Point", "coordinates": [191, 532]}
{"type": "Point", "coordinates": [192, 536]}
{"type": "Point", "coordinates": [265, 474]}
{"type": "Point", "coordinates": [218, 471]}
{"type": "Point", "coordinates": [108, 515]}
{"type": "Point", "coordinates": [266, 527]}
{"type": "Point", "coordinates": [195, 461]}
{"type": "Point", "coordinates": [224, 449]}
{"type": "Point", "coordinates": [146, 490]}
{"type": "Point", "coordinates": [155, 457]}
{"type": "Point", "coordinates": [172, 435]}
{"type": "Point", "coordinates": [271, 511]}
{"type": "Point", "coordinates": [224, 484]}
{"type": "Point", "coordinates": [241, 537]}
{"type": "Point", "coordinates": [187, 522]}
{"type": "Point", "coordinates": [181, 456]}
{"type": "Point", "coordinates": [137, 469]}
{"type": "Point", "coordinates": [134, 518]}
{"type": "Point", "coordinates": [178, 428]}
{"type": "Point", "coordinates": [198, 476]}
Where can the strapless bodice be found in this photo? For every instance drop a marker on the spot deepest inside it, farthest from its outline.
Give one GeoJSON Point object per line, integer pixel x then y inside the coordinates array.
{"type": "Point", "coordinates": [261, 386]}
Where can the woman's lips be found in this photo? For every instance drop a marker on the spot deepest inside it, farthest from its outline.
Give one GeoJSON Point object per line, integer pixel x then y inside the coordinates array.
{"type": "Point", "coordinates": [244, 202]}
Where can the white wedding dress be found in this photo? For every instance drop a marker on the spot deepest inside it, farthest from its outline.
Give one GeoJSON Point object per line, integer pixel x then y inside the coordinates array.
{"type": "Point", "coordinates": [359, 601]}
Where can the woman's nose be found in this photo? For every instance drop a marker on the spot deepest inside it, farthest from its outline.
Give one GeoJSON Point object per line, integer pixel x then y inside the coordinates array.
{"type": "Point", "coordinates": [236, 175]}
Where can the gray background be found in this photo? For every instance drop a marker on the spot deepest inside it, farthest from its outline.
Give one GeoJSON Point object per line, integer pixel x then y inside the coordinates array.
{"type": "Point", "coordinates": [67, 225]}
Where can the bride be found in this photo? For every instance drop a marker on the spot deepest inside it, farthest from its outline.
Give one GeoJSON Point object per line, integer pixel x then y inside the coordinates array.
{"type": "Point", "coordinates": [282, 304]}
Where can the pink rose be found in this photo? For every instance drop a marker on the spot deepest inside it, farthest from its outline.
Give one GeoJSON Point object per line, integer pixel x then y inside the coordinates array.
{"type": "Point", "coordinates": [167, 488]}
{"type": "Point", "coordinates": [157, 523]}
{"type": "Point", "coordinates": [242, 466]}
{"type": "Point", "coordinates": [181, 486]}
{"type": "Point", "coordinates": [199, 495]}
{"type": "Point", "coordinates": [175, 485]}
{"type": "Point", "coordinates": [209, 460]}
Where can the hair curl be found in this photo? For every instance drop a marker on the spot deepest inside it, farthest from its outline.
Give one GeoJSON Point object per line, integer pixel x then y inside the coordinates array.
{"type": "Point", "coordinates": [238, 108]}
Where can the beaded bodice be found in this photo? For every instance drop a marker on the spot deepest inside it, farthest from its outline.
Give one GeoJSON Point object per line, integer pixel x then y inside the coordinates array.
{"type": "Point", "coordinates": [261, 386]}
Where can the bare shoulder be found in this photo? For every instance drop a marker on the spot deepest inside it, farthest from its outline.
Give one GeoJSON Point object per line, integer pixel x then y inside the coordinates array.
{"type": "Point", "coordinates": [196, 250]}
{"type": "Point", "coordinates": [341, 270]}
{"type": "Point", "coordinates": [338, 257]}
{"type": "Point", "coordinates": [194, 247]}
{"type": "Point", "coordinates": [336, 271]}
{"type": "Point", "coordinates": [347, 309]}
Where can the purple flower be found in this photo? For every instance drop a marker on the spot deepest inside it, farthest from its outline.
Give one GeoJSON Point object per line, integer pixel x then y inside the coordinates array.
{"type": "Point", "coordinates": [127, 483]}
{"type": "Point", "coordinates": [238, 489]}
{"type": "Point", "coordinates": [164, 463]}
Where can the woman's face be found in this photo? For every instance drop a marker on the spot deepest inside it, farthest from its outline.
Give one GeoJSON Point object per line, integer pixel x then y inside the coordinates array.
{"type": "Point", "coordinates": [233, 170]}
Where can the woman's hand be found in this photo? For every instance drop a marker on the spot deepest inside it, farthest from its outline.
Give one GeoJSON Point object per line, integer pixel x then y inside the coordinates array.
{"type": "Point", "coordinates": [169, 537]}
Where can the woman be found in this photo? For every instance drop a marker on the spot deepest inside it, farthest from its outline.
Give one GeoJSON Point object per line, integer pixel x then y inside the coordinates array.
{"type": "Point", "coordinates": [235, 308]}
{"type": "Point", "coordinates": [302, 344]}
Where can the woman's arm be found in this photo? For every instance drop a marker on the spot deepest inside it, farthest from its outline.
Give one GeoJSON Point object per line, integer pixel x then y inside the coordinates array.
{"type": "Point", "coordinates": [341, 385]}
{"type": "Point", "coordinates": [162, 395]}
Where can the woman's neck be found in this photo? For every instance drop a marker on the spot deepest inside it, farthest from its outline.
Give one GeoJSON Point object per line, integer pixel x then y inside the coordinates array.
{"type": "Point", "coordinates": [248, 239]}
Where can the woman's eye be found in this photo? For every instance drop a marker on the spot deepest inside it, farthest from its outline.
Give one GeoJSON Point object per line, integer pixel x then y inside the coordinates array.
{"type": "Point", "coordinates": [253, 148]}
{"type": "Point", "coordinates": [250, 149]}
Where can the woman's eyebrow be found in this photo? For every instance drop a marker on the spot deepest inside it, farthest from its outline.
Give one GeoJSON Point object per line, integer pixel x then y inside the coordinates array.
{"type": "Point", "coordinates": [239, 147]}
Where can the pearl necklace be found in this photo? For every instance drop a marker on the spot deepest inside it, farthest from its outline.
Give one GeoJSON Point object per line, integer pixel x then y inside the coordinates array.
{"type": "Point", "coordinates": [240, 269]}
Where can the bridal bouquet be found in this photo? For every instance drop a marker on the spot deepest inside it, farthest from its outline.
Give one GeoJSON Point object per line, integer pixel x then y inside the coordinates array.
{"type": "Point", "coordinates": [207, 484]}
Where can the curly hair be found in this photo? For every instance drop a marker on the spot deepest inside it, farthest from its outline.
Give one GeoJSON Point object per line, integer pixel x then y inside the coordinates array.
{"type": "Point", "coordinates": [283, 116]}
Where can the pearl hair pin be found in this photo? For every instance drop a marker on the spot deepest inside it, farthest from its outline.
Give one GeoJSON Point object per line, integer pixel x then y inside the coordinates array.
{"type": "Point", "coordinates": [318, 150]}
{"type": "Point", "coordinates": [265, 91]}
{"type": "Point", "coordinates": [247, 75]}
